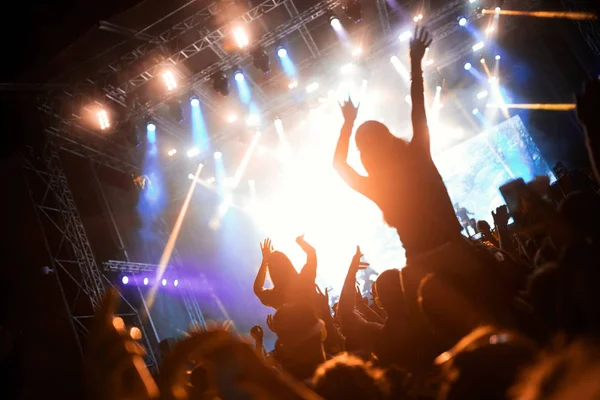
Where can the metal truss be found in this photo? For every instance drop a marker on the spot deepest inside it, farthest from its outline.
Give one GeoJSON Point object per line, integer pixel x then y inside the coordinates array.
{"type": "Point", "coordinates": [268, 39]}
{"type": "Point", "coordinates": [306, 36]}
{"type": "Point", "coordinates": [191, 304]}
{"type": "Point", "coordinates": [384, 19]}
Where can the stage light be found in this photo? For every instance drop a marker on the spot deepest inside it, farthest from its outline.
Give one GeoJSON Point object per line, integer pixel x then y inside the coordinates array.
{"type": "Point", "coordinates": [164, 282]}
{"type": "Point", "coordinates": [475, 111]}
{"type": "Point", "coordinates": [405, 36]}
{"type": "Point", "coordinates": [416, 19]}
{"type": "Point", "coordinates": [472, 1]}
{"type": "Point", "coordinates": [438, 88]}
{"type": "Point", "coordinates": [217, 155]}
{"type": "Point", "coordinates": [103, 119]}
{"type": "Point", "coordinates": [169, 79]}
{"type": "Point", "coordinates": [281, 52]}
{"type": "Point", "coordinates": [348, 68]}
{"type": "Point", "coordinates": [482, 61]}
{"type": "Point", "coordinates": [191, 177]}
{"type": "Point", "coordinates": [468, 66]}
{"type": "Point", "coordinates": [193, 152]}
{"type": "Point", "coordinates": [353, 10]}
{"type": "Point", "coordinates": [172, 152]}
{"type": "Point", "coordinates": [220, 83]}
{"type": "Point", "coordinates": [482, 95]}
{"type": "Point", "coordinates": [125, 280]}
{"type": "Point", "coordinates": [176, 282]}
{"type": "Point", "coordinates": [240, 37]}
{"type": "Point", "coordinates": [146, 281]}
{"type": "Point", "coordinates": [239, 76]}
{"type": "Point", "coordinates": [335, 23]}
{"type": "Point", "coordinates": [489, 30]}
{"type": "Point", "coordinates": [429, 63]}
{"type": "Point", "coordinates": [253, 120]}
{"type": "Point", "coordinates": [478, 46]}
{"type": "Point", "coordinates": [420, 17]}
{"type": "Point", "coordinates": [232, 118]}
{"type": "Point", "coordinates": [356, 52]}
{"type": "Point", "coordinates": [497, 10]}
{"type": "Point", "coordinates": [261, 60]}
{"type": "Point", "coordinates": [293, 85]}
{"type": "Point", "coordinates": [498, 57]}
{"type": "Point", "coordinates": [313, 87]}
{"type": "Point", "coordinates": [462, 21]}
{"type": "Point", "coordinates": [493, 80]}
{"type": "Point", "coordinates": [151, 127]}
{"type": "Point", "coordinates": [195, 102]}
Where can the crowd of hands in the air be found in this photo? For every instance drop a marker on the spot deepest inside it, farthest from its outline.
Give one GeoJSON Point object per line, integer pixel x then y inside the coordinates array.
{"type": "Point", "coordinates": [512, 315]}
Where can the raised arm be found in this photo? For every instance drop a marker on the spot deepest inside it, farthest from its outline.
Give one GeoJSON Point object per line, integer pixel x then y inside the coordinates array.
{"type": "Point", "coordinates": [418, 46]}
{"type": "Point", "coordinates": [310, 268]}
{"type": "Point", "coordinates": [266, 248]}
{"type": "Point", "coordinates": [340, 163]}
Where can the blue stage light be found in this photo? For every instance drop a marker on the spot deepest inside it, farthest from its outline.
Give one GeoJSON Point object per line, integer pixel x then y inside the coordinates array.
{"type": "Point", "coordinates": [217, 155]}
{"type": "Point", "coordinates": [125, 280]}
{"type": "Point", "coordinates": [146, 281]}
{"type": "Point", "coordinates": [151, 127]}
{"type": "Point", "coordinates": [195, 102]}
{"type": "Point", "coordinates": [281, 52]}
{"type": "Point", "coordinates": [462, 21]}
{"type": "Point", "coordinates": [164, 282]}
{"type": "Point", "coordinates": [468, 66]}
{"type": "Point", "coordinates": [176, 282]}
{"type": "Point", "coordinates": [239, 76]}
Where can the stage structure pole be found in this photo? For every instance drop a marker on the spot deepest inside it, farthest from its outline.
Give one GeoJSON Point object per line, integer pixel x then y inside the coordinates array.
{"type": "Point", "coordinates": [117, 234]}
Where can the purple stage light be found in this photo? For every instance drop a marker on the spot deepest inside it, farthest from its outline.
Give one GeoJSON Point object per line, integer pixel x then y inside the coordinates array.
{"type": "Point", "coordinates": [176, 282]}
{"type": "Point", "coordinates": [164, 282]}
{"type": "Point", "coordinates": [125, 280]}
{"type": "Point", "coordinates": [146, 281]}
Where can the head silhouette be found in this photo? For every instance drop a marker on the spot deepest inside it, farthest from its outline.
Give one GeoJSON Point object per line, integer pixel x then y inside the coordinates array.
{"type": "Point", "coordinates": [388, 289]}
{"type": "Point", "coordinates": [484, 227]}
{"type": "Point", "coordinates": [374, 141]}
{"type": "Point", "coordinates": [281, 269]}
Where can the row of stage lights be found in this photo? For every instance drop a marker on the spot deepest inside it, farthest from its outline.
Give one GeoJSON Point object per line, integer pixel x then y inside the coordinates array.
{"type": "Point", "coordinates": [260, 59]}
{"type": "Point", "coordinates": [127, 280]}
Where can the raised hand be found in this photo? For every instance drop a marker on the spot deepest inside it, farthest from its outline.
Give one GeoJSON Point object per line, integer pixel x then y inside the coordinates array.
{"type": "Point", "coordinates": [501, 217]}
{"type": "Point", "coordinates": [270, 323]}
{"type": "Point", "coordinates": [588, 104]}
{"type": "Point", "coordinates": [349, 111]}
{"type": "Point", "coordinates": [356, 263]}
{"type": "Point", "coordinates": [257, 333]}
{"type": "Point", "coordinates": [114, 364]}
{"type": "Point", "coordinates": [266, 249]}
{"type": "Point", "coordinates": [418, 44]}
{"type": "Point", "coordinates": [323, 299]}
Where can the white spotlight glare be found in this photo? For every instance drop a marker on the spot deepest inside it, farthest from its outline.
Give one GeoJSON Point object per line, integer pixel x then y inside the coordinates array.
{"type": "Point", "coordinates": [405, 36]}
{"type": "Point", "coordinates": [420, 17]}
{"type": "Point", "coordinates": [438, 88]}
{"type": "Point", "coordinates": [172, 152]}
{"type": "Point", "coordinates": [482, 95]}
{"type": "Point", "coordinates": [462, 21]}
{"type": "Point", "coordinates": [416, 19]}
{"type": "Point", "coordinates": [164, 282]}
{"type": "Point", "coordinates": [475, 111]}
{"type": "Point", "coordinates": [232, 118]}
{"type": "Point", "coordinates": [103, 119]}
{"type": "Point", "coordinates": [253, 120]}
{"type": "Point", "coordinates": [478, 46]}
{"type": "Point", "coordinates": [151, 127]}
{"type": "Point", "coordinates": [191, 177]}
{"type": "Point", "coordinates": [357, 51]}
{"type": "Point", "coordinates": [497, 10]}
{"type": "Point", "coordinates": [282, 53]}
{"type": "Point", "coordinates": [240, 37]}
{"type": "Point", "coordinates": [347, 69]}
{"type": "Point", "coordinates": [176, 282]}
{"type": "Point", "coordinates": [468, 66]}
{"type": "Point", "coordinates": [336, 24]}
{"type": "Point", "coordinates": [218, 155]}
{"type": "Point", "coordinates": [498, 57]}
{"type": "Point", "coordinates": [239, 76]}
{"type": "Point", "coordinates": [195, 102]}
{"type": "Point", "coordinates": [146, 281]}
{"type": "Point", "coordinates": [313, 87]}
{"type": "Point", "coordinates": [169, 79]}
{"type": "Point", "coordinates": [472, 1]}
{"type": "Point", "coordinates": [482, 61]}
{"type": "Point", "coordinates": [193, 152]}
{"type": "Point", "coordinates": [293, 85]}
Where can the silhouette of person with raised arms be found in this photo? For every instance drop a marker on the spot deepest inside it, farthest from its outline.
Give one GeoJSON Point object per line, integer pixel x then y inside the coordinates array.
{"type": "Point", "coordinates": [402, 178]}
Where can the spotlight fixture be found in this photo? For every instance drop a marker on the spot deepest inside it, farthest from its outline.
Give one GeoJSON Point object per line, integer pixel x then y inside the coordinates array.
{"type": "Point", "coordinates": [176, 282]}
{"type": "Point", "coordinates": [125, 280]}
{"type": "Point", "coordinates": [334, 21]}
{"type": "Point", "coordinates": [404, 37]}
{"type": "Point", "coordinates": [497, 10]}
{"type": "Point", "coordinates": [218, 155]}
{"type": "Point", "coordinates": [478, 46]}
{"type": "Point", "coordinates": [169, 79]}
{"type": "Point", "coordinates": [146, 281]}
{"type": "Point", "coordinates": [194, 102]}
{"type": "Point", "coordinates": [240, 36]}
{"type": "Point", "coordinates": [462, 21]}
{"type": "Point", "coordinates": [475, 111]}
{"type": "Point", "coordinates": [164, 282]}
{"type": "Point", "coordinates": [468, 66]}
{"type": "Point", "coordinates": [281, 52]}
{"type": "Point", "coordinates": [353, 10]}
{"type": "Point", "coordinates": [261, 60]}
{"type": "Point", "coordinates": [220, 83]}
{"type": "Point", "coordinates": [172, 152]}
{"type": "Point", "coordinates": [238, 76]}
{"type": "Point", "coordinates": [150, 127]}
{"type": "Point", "coordinates": [498, 57]}
{"type": "Point", "coordinates": [193, 152]}
{"type": "Point", "coordinates": [103, 119]}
